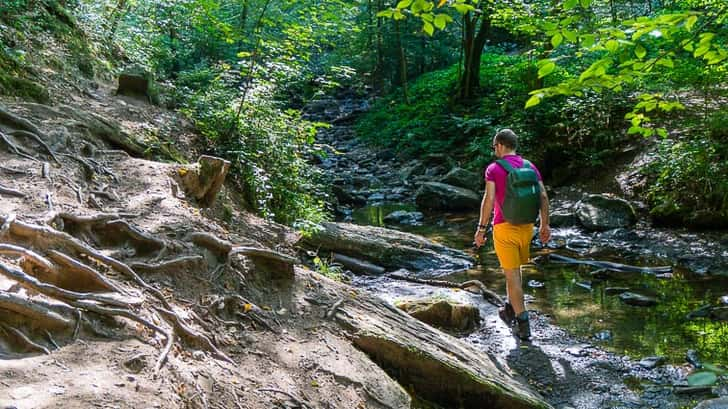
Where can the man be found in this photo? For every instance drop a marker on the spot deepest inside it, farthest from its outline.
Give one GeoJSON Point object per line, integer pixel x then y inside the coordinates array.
{"type": "Point", "coordinates": [511, 241]}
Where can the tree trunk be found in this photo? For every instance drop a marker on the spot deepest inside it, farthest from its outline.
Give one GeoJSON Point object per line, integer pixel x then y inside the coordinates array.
{"type": "Point", "coordinates": [115, 17]}
{"type": "Point", "coordinates": [402, 63]}
{"type": "Point", "coordinates": [473, 44]}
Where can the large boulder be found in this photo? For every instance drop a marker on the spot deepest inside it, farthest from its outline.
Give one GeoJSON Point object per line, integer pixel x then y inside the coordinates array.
{"type": "Point", "coordinates": [136, 82]}
{"type": "Point", "coordinates": [439, 196]}
{"type": "Point", "coordinates": [463, 178]}
{"type": "Point", "coordinates": [388, 248]}
{"type": "Point", "coordinates": [601, 212]}
{"type": "Point", "coordinates": [443, 313]}
{"type": "Point", "coordinates": [436, 366]}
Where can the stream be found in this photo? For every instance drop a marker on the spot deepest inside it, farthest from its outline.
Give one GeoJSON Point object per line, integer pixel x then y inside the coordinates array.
{"type": "Point", "coordinates": [582, 304]}
{"type": "Point", "coordinates": [590, 348]}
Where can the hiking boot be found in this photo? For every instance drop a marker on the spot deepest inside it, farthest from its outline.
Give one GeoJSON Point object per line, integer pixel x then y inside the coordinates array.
{"type": "Point", "coordinates": [507, 314]}
{"type": "Point", "coordinates": [523, 329]}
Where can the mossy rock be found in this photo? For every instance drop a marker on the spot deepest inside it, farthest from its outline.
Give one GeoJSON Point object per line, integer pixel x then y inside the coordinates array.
{"type": "Point", "coordinates": [20, 87]}
{"type": "Point", "coordinates": [442, 313]}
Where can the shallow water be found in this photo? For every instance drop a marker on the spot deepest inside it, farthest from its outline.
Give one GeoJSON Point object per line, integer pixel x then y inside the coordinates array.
{"type": "Point", "coordinates": [579, 303]}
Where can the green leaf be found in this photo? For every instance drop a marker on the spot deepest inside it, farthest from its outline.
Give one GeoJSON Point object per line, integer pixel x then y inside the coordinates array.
{"type": "Point", "coordinates": [546, 69]}
{"type": "Point", "coordinates": [404, 4]}
{"type": "Point", "coordinates": [570, 4]}
{"type": "Point", "coordinates": [690, 22]}
{"type": "Point", "coordinates": [588, 40]}
{"type": "Point", "coordinates": [556, 40]}
{"type": "Point", "coordinates": [635, 129]}
{"type": "Point", "coordinates": [428, 28]}
{"type": "Point", "coordinates": [385, 13]}
{"type": "Point", "coordinates": [702, 378]}
{"type": "Point", "coordinates": [612, 45]}
{"type": "Point", "coordinates": [534, 100]}
{"type": "Point", "coordinates": [666, 62]}
{"type": "Point", "coordinates": [701, 50]}
{"type": "Point", "coordinates": [441, 21]}
{"type": "Point", "coordinates": [662, 132]}
{"type": "Point", "coordinates": [463, 8]}
{"type": "Point", "coordinates": [585, 3]}
{"type": "Point", "coordinates": [569, 35]}
{"type": "Point", "coordinates": [640, 51]}
{"type": "Point", "coordinates": [549, 26]}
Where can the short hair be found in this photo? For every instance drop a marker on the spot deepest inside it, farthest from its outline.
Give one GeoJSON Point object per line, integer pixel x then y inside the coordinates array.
{"type": "Point", "coordinates": [507, 138]}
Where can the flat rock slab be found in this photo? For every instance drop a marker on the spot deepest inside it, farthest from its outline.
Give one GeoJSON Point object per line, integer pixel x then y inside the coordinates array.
{"type": "Point", "coordinates": [444, 314]}
{"type": "Point", "coordinates": [437, 366]}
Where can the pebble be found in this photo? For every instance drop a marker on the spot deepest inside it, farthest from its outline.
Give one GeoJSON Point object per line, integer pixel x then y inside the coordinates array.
{"type": "Point", "coordinates": [198, 355]}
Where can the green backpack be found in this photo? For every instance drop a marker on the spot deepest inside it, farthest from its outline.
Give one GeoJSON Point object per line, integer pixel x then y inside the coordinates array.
{"type": "Point", "coordinates": [523, 193]}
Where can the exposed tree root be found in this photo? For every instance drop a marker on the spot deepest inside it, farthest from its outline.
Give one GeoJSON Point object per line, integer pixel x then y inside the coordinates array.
{"type": "Point", "coordinates": [191, 336]}
{"type": "Point", "coordinates": [165, 352]}
{"type": "Point", "coordinates": [15, 148]}
{"type": "Point", "coordinates": [18, 122]}
{"type": "Point", "coordinates": [85, 277]}
{"type": "Point", "coordinates": [59, 293]}
{"type": "Point", "coordinates": [263, 258]}
{"type": "Point", "coordinates": [13, 171]}
{"type": "Point", "coordinates": [36, 138]}
{"type": "Point", "coordinates": [10, 192]}
{"type": "Point", "coordinates": [23, 339]}
{"type": "Point", "coordinates": [37, 312]}
{"type": "Point", "coordinates": [181, 263]}
{"type": "Point", "coordinates": [488, 295]}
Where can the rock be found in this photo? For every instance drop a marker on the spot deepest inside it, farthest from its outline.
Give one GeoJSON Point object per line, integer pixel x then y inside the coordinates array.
{"type": "Point", "coordinates": [439, 196]}
{"type": "Point", "coordinates": [723, 300]}
{"type": "Point", "coordinates": [436, 366]}
{"type": "Point", "coordinates": [376, 197]}
{"type": "Point", "coordinates": [463, 178]}
{"type": "Point", "coordinates": [637, 299]}
{"type": "Point", "coordinates": [605, 335]}
{"type": "Point", "coordinates": [413, 168]}
{"type": "Point", "coordinates": [535, 284]}
{"type": "Point", "coordinates": [404, 217]}
{"type": "Point", "coordinates": [720, 403]}
{"type": "Point", "coordinates": [444, 314]}
{"type": "Point", "coordinates": [601, 212]}
{"type": "Point", "coordinates": [719, 313]}
{"type": "Point", "coordinates": [135, 82]}
{"type": "Point", "coordinates": [388, 248]}
{"type": "Point", "coordinates": [562, 218]}
{"type": "Point", "coordinates": [651, 362]}
{"type": "Point", "coordinates": [692, 357]}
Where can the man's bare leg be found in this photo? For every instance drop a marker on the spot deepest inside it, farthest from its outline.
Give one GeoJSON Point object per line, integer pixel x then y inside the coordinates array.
{"type": "Point", "coordinates": [514, 289]}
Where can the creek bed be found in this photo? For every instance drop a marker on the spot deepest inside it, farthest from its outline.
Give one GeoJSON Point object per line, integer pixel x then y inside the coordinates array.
{"type": "Point", "coordinates": [582, 305]}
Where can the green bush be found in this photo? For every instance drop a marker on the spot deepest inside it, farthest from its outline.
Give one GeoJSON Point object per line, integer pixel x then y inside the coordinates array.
{"type": "Point", "coordinates": [689, 183]}
{"type": "Point", "coordinates": [266, 146]}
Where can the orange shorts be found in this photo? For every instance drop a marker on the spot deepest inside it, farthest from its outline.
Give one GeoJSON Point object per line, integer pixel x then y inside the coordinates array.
{"type": "Point", "coordinates": [512, 243]}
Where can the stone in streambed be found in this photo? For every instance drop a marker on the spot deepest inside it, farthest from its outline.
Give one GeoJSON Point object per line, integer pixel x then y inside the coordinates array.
{"type": "Point", "coordinates": [439, 196]}
{"type": "Point", "coordinates": [637, 299]}
{"type": "Point", "coordinates": [652, 362]}
{"type": "Point", "coordinates": [444, 314]}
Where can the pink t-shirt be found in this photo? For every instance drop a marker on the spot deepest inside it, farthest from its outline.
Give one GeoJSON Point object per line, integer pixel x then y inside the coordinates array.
{"type": "Point", "coordinates": [495, 173]}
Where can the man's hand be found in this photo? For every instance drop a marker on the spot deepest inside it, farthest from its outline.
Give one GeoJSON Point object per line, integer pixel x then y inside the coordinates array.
{"type": "Point", "coordinates": [544, 234]}
{"type": "Point", "coordinates": [479, 238]}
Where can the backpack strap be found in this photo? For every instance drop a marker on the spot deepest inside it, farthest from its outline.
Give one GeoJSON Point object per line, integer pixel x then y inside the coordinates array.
{"type": "Point", "coordinates": [505, 165]}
